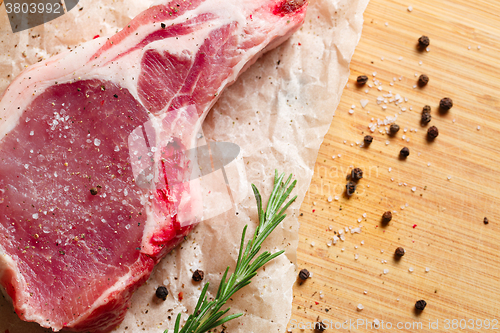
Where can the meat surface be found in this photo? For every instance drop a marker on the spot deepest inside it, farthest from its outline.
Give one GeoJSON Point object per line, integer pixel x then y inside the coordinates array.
{"type": "Point", "coordinates": [94, 186]}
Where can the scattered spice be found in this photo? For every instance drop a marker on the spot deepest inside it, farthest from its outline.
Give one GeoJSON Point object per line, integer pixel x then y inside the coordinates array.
{"type": "Point", "coordinates": [161, 292]}
{"type": "Point", "coordinates": [400, 251]}
{"type": "Point", "coordinates": [423, 80]}
{"type": "Point", "coordinates": [405, 152]}
{"type": "Point", "coordinates": [368, 139]}
{"type": "Point", "coordinates": [350, 188]}
{"type": "Point", "coordinates": [93, 191]}
{"type": "Point", "coordinates": [362, 79]}
{"type": "Point", "coordinates": [432, 132]}
{"type": "Point", "coordinates": [304, 274]}
{"type": "Point", "coordinates": [420, 305]}
{"type": "Point", "coordinates": [486, 221]}
{"type": "Point", "coordinates": [393, 129]}
{"type": "Point", "coordinates": [163, 25]}
{"type": "Point", "coordinates": [426, 118]}
{"type": "Point", "coordinates": [356, 174]}
{"type": "Point", "coordinates": [423, 42]}
{"type": "Point", "coordinates": [387, 217]}
{"type": "Point", "coordinates": [319, 327]}
{"type": "Point", "coordinates": [445, 104]}
{"type": "Point", "coordinates": [181, 296]}
{"type": "Point", "coordinates": [426, 109]}
{"type": "Point", "coordinates": [198, 275]}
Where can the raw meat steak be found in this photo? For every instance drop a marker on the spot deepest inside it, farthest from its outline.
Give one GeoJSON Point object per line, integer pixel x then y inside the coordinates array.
{"type": "Point", "coordinates": [93, 189]}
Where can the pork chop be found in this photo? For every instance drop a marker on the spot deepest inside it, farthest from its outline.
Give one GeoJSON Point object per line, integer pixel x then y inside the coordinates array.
{"type": "Point", "coordinates": [94, 186]}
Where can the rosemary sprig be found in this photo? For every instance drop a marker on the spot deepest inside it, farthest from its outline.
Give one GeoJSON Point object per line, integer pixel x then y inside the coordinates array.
{"type": "Point", "coordinates": [207, 314]}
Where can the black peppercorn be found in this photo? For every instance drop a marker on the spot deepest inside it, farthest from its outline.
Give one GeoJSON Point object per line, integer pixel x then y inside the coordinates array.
{"type": "Point", "coordinates": [161, 292]}
{"type": "Point", "coordinates": [362, 79]}
{"type": "Point", "coordinates": [304, 274]}
{"type": "Point", "coordinates": [423, 42]}
{"type": "Point", "coordinates": [405, 152]}
{"type": "Point", "coordinates": [319, 327]}
{"type": "Point", "coordinates": [93, 191]}
{"type": "Point", "coordinates": [350, 188]}
{"type": "Point", "coordinates": [420, 305]}
{"type": "Point", "coordinates": [387, 217]}
{"type": "Point", "coordinates": [356, 174]}
{"type": "Point", "coordinates": [426, 118]}
{"type": "Point", "coordinates": [400, 252]}
{"type": "Point", "coordinates": [198, 275]}
{"type": "Point", "coordinates": [432, 132]}
{"type": "Point", "coordinates": [486, 220]}
{"type": "Point", "coordinates": [423, 80]}
{"type": "Point", "coordinates": [445, 104]}
{"type": "Point", "coordinates": [426, 109]}
{"type": "Point", "coordinates": [393, 129]}
{"type": "Point", "coordinates": [368, 139]}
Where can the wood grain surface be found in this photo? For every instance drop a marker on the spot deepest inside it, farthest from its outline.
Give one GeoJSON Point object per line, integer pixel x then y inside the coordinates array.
{"type": "Point", "coordinates": [440, 194]}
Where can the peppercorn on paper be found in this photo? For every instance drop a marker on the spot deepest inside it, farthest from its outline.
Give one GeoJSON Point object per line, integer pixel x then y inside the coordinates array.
{"type": "Point", "coordinates": [278, 112]}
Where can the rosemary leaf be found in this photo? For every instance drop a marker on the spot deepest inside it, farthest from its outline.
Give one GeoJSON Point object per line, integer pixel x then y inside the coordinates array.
{"type": "Point", "coordinates": [207, 314]}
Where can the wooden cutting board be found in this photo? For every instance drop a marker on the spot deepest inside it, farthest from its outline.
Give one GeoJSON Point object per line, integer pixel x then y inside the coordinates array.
{"type": "Point", "coordinates": [440, 194]}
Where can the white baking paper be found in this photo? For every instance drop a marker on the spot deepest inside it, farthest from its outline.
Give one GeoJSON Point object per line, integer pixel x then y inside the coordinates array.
{"type": "Point", "coordinates": [278, 112]}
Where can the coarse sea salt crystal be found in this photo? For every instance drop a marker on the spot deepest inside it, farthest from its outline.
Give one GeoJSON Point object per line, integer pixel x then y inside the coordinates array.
{"type": "Point", "coordinates": [330, 199]}
{"type": "Point", "coordinates": [427, 269]}
{"type": "Point", "coordinates": [414, 188]}
{"type": "Point", "coordinates": [97, 142]}
{"type": "Point", "coordinates": [386, 271]}
{"type": "Point", "coordinates": [410, 269]}
{"type": "Point", "coordinates": [360, 307]}
{"type": "Point", "coordinates": [356, 257]}
{"type": "Point", "coordinates": [410, 8]}
{"type": "Point", "coordinates": [379, 88]}
{"type": "Point", "coordinates": [363, 102]}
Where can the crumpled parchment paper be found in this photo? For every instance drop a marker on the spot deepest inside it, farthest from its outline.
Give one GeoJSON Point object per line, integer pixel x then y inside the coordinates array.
{"type": "Point", "coordinates": [278, 112]}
